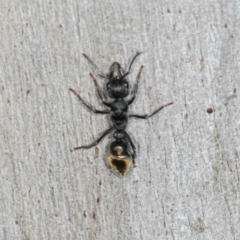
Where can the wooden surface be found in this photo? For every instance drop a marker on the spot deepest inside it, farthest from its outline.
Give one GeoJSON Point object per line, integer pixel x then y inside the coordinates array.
{"type": "Point", "coordinates": [186, 183]}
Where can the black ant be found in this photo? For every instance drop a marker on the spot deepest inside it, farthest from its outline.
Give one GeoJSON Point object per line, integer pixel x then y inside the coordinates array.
{"type": "Point", "coordinates": [122, 149]}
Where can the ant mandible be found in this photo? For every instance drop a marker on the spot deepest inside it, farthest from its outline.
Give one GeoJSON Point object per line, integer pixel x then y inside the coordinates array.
{"type": "Point", "coordinates": [122, 150]}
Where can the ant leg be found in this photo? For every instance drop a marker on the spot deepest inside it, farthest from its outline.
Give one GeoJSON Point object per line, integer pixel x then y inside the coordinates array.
{"type": "Point", "coordinates": [89, 106]}
{"type": "Point", "coordinates": [148, 116]}
{"type": "Point", "coordinates": [135, 88]}
{"type": "Point", "coordinates": [101, 95]}
{"type": "Point", "coordinates": [132, 146]}
{"type": "Point", "coordinates": [96, 142]}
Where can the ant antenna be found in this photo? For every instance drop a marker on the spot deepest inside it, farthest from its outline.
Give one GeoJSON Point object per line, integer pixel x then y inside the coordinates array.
{"type": "Point", "coordinates": [137, 54]}
{"type": "Point", "coordinates": [94, 66]}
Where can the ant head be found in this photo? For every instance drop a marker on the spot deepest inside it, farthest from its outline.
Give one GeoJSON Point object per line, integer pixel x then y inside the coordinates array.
{"type": "Point", "coordinates": [117, 88]}
{"type": "Point", "coordinates": [117, 85]}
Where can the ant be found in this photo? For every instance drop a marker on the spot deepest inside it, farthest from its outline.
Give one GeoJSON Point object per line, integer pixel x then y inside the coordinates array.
{"type": "Point", "coordinates": [122, 150]}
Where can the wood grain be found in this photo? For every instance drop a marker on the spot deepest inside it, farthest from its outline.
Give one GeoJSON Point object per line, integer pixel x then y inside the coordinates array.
{"type": "Point", "coordinates": [186, 183]}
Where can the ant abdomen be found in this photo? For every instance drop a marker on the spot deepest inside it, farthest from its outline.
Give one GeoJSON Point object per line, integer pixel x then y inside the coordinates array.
{"type": "Point", "coordinates": [119, 159]}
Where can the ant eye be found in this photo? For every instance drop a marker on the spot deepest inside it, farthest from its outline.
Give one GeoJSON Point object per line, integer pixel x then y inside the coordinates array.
{"type": "Point", "coordinates": [126, 85]}
{"type": "Point", "coordinates": [108, 85]}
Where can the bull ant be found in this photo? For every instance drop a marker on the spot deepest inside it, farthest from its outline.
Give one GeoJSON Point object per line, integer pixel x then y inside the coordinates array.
{"type": "Point", "coordinates": [122, 150]}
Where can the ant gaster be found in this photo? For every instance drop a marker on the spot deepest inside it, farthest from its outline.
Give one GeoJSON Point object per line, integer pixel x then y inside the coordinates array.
{"type": "Point", "coordinates": [122, 150]}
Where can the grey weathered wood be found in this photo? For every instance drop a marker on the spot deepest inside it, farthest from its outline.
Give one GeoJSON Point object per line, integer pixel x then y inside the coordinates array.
{"type": "Point", "coordinates": [186, 183]}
